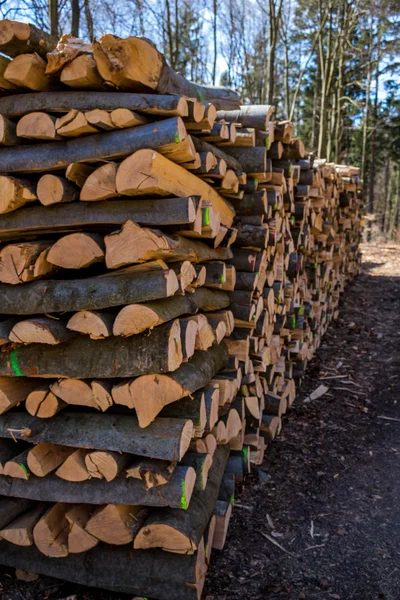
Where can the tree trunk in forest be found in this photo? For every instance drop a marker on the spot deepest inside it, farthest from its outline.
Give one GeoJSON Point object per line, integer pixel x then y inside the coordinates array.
{"type": "Point", "coordinates": [53, 17]}
{"type": "Point", "coordinates": [75, 18]}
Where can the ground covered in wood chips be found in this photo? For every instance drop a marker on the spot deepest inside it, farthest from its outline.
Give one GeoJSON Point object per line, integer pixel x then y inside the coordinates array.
{"type": "Point", "coordinates": [323, 520]}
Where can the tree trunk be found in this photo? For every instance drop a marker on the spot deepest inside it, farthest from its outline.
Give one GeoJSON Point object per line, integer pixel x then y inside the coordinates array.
{"type": "Point", "coordinates": [75, 17]}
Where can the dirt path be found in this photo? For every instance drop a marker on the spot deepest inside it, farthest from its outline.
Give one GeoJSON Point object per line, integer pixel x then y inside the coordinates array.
{"type": "Point", "coordinates": [333, 497]}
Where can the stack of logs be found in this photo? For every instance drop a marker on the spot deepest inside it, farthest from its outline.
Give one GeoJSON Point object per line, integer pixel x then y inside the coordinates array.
{"type": "Point", "coordinates": [168, 267]}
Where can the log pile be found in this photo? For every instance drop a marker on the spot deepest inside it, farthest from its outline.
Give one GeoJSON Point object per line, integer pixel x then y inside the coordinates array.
{"type": "Point", "coordinates": [169, 262]}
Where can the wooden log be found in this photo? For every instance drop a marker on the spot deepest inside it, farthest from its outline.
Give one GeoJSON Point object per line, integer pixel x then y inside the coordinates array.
{"type": "Point", "coordinates": [148, 395]}
{"type": "Point", "coordinates": [202, 146]}
{"type": "Point", "coordinates": [44, 458]}
{"type": "Point", "coordinates": [12, 391]}
{"type": "Point", "coordinates": [193, 408]}
{"type": "Point", "coordinates": [251, 204]}
{"type": "Point", "coordinates": [79, 540]}
{"type": "Point", "coordinates": [37, 126]}
{"type": "Point", "coordinates": [24, 262]}
{"type": "Point", "coordinates": [53, 189]}
{"type": "Point", "coordinates": [97, 324]}
{"type": "Point", "coordinates": [154, 472]}
{"type": "Point", "coordinates": [181, 531]}
{"type": "Point", "coordinates": [77, 251]}
{"type": "Point", "coordinates": [148, 172]}
{"type": "Point", "coordinates": [8, 449]}
{"type": "Point", "coordinates": [252, 236]}
{"type": "Point", "coordinates": [123, 117]}
{"type": "Point", "coordinates": [251, 115]}
{"type": "Point", "coordinates": [75, 392]}
{"type": "Point", "coordinates": [17, 467]}
{"type": "Point", "coordinates": [134, 244]}
{"type": "Point", "coordinates": [252, 160]}
{"type": "Point", "coordinates": [101, 393]}
{"type": "Point", "coordinates": [159, 105]}
{"type": "Point", "coordinates": [167, 439]}
{"type": "Point", "coordinates": [108, 215]}
{"type": "Point", "coordinates": [189, 331]}
{"type": "Point", "coordinates": [174, 577]}
{"type": "Point", "coordinates": [81, 73]}
{"type": "Point", "coordinates": [73, 124]}
{"type": "Point", "coordinates": [101, 184]}
{"type": "Point", "coordinates": [101, 146]}
{"type": "Point", "coordinates": [116, 65]}
{"type": "Point", "coordinates": [50, 533]}
{"type": "Point", "coordinates": [19, 38]}
{"type": "Point", "coordinates": [20, 530]}
{"type": "Point", "coordinates": [67, 49]}
{"type": "Point", "coordinates": [135, 318]}
{"type": "Point", "coordinates": [82, 357]}
{"type": "Point", "coordinates": [28, 71]}
{"type": "Point", "coordinates": [15, 193]}
{"type": "Point", "coordinates": [8, 135]}
{"type": "Point", "coordinates": [201, 462]}
{"type": "Point", "coordinates": [115, 524]}
{"type": "Point", "coordinates": [74, 467]}
{"type": "Point", "coordinates": [42, 403]}
{"type": "Point", "coordinates": [4, 84]}
{"type": "Point", "coordinates": [134, 284]}
{"type": "Point", "coordinates": [39, 330]}
{"type": "Point", "coordinates": [106, 465]}
{"type": "Point", "coordinates": [100, 119]}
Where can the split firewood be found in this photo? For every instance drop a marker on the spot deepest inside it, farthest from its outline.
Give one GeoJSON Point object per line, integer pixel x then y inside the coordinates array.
{"type": "Point", "coordinates": [20, 263]}
{"type": "Point", "coordinates": [15, 193]}
{"type": "Point", "coordinates": [79, 540]}
{"type": "Point", "coordinates": [78, 173]}
{"type": "Point", "coordinates": [14, 391]}
{"type": "Point", "coordinates": [44, 458]}
{"type": "Point", "coordinates": [4, 84]}
{"type": "Point", "coordinates": [37, 126]}
{"type": "Point", "coordinates": [20, 530]}
{"type": "Point", "coordinates": [189, 331]}
{"type": "Point", "coordinates": [100, 119]}
{"type": "Point", "coordinates": [154, 472]}
{"type": "Point", "coordinates": [17, 466]}
{"type": "Point", "coordinates": [77, 251]}
{"type": "Point", "coordinates": [82, 73]}
{"type": "Point", "coordinates": [8, 130]}
{"type": "Point", "coordinates": [40, 330]}
{"type": "Point", "coordinates": [28, 71]}
{"type": "Point", "coordinates": [101, 184]}
{"type": "Point", "coordinates": [101, 390]}
{"type": "Point", "coordinates": [17, 38]}
{"type": "Point", "coordinates": [42, 403]}
{"type": "Point", "coordinates": [106, 465]}
{"type": "Point", "coordinates": [73, 468]}
{"type": "Point", "coordinates": [53, 189]}
{"type": "Point", "coordinates": [68, 48]}
{"type": "Point", "coordinates": [50, 533]}
{"type": "Point", "coordinates": [73, 124]}
{"type": "Point", "coordinates": [74, 391]}
{"type": "Point", "coordinates": [96, 324]}
{"type": "Point", "coordinates": [116, 523]}
{"type": "Point", "coordinates": [123, 117]}
{"type": "Point", "coordinates": [8, 449]}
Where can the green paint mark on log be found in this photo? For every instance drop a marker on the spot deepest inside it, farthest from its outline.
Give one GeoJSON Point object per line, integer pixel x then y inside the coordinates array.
{"type": "Point", "coordinates": [25, 469]}
{"type": "Point", "coordinates": [232, 499]}
{"type": "Point", "coordinates": [177, 138]}
{"type": "Point", "coordinates": [206, 216]}
{"type": "Point", "coordinates": [14, 363]}
{"type": "Point", "coordinates": [222, 279]}
{"type": "Point", "coordinates": [183, 496]}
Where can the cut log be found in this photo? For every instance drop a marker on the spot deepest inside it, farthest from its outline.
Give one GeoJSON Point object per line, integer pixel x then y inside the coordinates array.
{"type": "Point", "coordinates": [8, 136]}
{"type": "Point", "coordinates": [79, 540]}
{"type": "Point", "coordinates": [135, 318]}
{"type": "Point", "coordinates": [27, 71]}
{"type": "Point", "coordinates": [101, 146]}
{"type": "Point", "coordinates": [202, 146]}
{"type": "Point", "coordinates": [134, 284]}
{"type": "Point", "coordinates": [193, 408]}
{"type": "Point", "coordinates": [100, 119]}
{"type": "Point", "coordinates": [123, 117]}
{"type": "Point", "coordinates": [78, 173]}
{"type": "Point", "coordinates": [149, 394]}
{"type": "Point", "coordinates": [251, 115]}
{"type": "Point", "coordinates": [167, 439]}
{"type": "Point", "coordinates": [67, 49]}
{"type": "Point", "coordinates": [74, 124]}
{"type": "Point", "coordinates": [37, 126]}
{"type": "Point", "coordinates": [119, 569]}
{"type": "Point", "coordinates": [13, 391]}
{"type": "Point", "coordinates": [116, 524]}
{"type": "Point", "coordinates": [82, 357]}
{"type": "Point", "coordinates": [149, 491]}
{"type": "Point", "coordinates": [81, 73]}
{"type": "Point", "coordinates": [74, 467]}
{"type": "Point", "coordinates": [45, 458]}
{"type": "Point", "coordinates": [189, 330]}
{"type": "Point", "coordinates": [20, 530]}
{"type": "Point", "coordinates": [15, 193]}
{"type": "Point", "coordinates": [43, 403]}
{"type": "Point", "coordinates": [159, 105]}
{"type": "Point", "coordinates": [110, 215]}
{"type": "Point", "coordinates": [181, 531]}
{"type": "Point", "coordinates": [17, 467]}
{"type": "Point", "coordinates": [101, 184]}
{"type": "Point", "coordinates": [101, 390]}
{"type": "Point", "coordinates": [50, 534]}
{"type": "Point", "coordinates": [53, 189]}
{"type": "Point", "coordinates": [135, 244]}
{"type": "Point", "coordinates": [20, 263]}
{"type": "Point", "coordinates": [134, 64]}
{"type": "Point", "coordinates": [154, 472]}
{"type": "Point", "coordinates": [106, 465]}
{"type": "Point", "coordinates": [77, 251]}
{"type": "Point", "coordinates": [252, 160]}
{"type": "Point", "coordinates": [4, 84]}
{"type": "Point", "coordinates": [148, 172]}
{"type": "Point", "coordinates": [8, 450]}
{"type": "Point", "coordinates": [17, 38]}
{"type": "Point", "coordinates": [74, 392]}
{"type": "Point", "coordinates": [40, 330]}
{"type": "Point", "coordinates": [98, 325]}
{"type": "Point", "coordinates": [202, 463]}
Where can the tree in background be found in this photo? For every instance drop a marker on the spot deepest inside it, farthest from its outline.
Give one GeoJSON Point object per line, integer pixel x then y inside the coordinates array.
{"type": "Point", "coordinates": [331, 66]}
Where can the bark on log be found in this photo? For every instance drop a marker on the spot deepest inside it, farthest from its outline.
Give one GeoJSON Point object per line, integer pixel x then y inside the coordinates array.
{"type": "Point", "coordinates": [167, 439]}
{"type": "Point", "coordinates": [19, 38]}
{"type": "Point", "coordinates": [252, 115]}
{"type": "Point", "coordinates": [202, 146]}
{"type": "Point", "coordinates": [101, 146]}
{"type": "Point", "coordinates": [11, 508]}
{"type": "Point", "coordinates": [134, 64]}
{"type": "Point", "coordinates": [176, 493]}
{"type": "Point", "coordinates": [134, 284]}
{"type": "Point", "coordinates": [20, 530]}
{"type": "Point", "coordinates": [83, 358]}
{"type": "Point", "coordinates": [105, 215]}
{"type": "Point", "coordinates": [165, 106]}
{"type": "Point", "coordinates": [252, 160]}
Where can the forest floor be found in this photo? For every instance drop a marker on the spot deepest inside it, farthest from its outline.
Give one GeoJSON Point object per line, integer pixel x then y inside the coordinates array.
{"type": "Point", "coordinates": [332, 499]}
